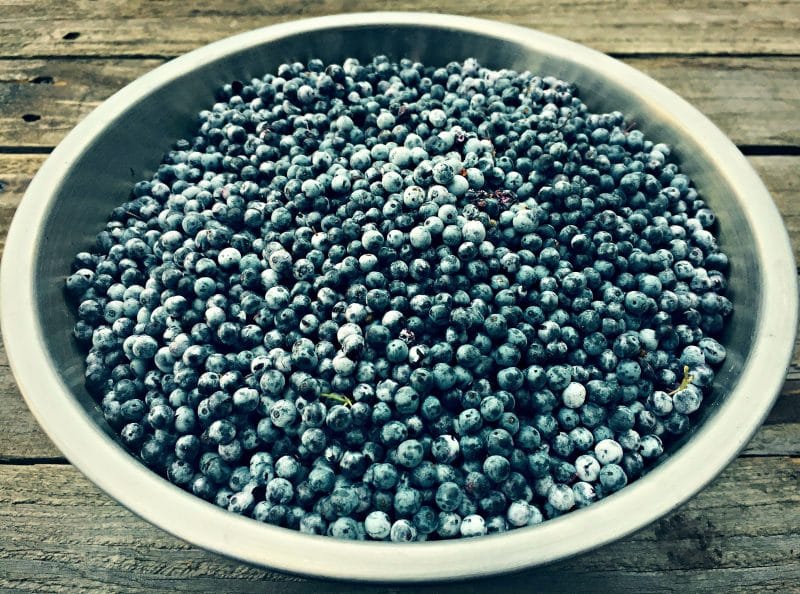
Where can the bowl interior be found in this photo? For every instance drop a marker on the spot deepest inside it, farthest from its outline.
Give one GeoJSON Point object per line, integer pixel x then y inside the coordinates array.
{"type": "Point", "coordinates": [131, 146]}
{"type": "Point", "coordinates": [95, 168]}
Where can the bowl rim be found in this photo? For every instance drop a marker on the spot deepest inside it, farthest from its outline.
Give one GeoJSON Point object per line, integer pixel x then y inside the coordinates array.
{"type": "Point", "coordinates": [86, 445]}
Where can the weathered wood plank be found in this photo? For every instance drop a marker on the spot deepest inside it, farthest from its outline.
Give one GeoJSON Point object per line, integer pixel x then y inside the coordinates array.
{"type": "Point", "coordinates": [169, 28]}
{"type": "Point", "coordinates": [16, 172]}
{"type": "Point", "coordinates": [776, 439]}
{"type": "Point", "coordinates": [782, 178]}
{"type": "Point", "coordinates": [753, 100]}
{"type": "Point", "coordinates": [63, 535]}
{"type": "Point", "coordinates": [43, 100]}
{"type": "Point", "coordinates": [26, 440]}
{"type": "Point", "coordinates": [16, 421]}
{"type": "Point", "coordinates": [741, 96]}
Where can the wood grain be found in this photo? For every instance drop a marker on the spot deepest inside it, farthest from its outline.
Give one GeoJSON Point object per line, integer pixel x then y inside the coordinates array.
{"type": "Point", "coordinates": [169, 28]}
{"type": "Point", "coordinates": [23, 437]}
{"type": "Point", "coordinates": [63, 535]}
{"type": "Point", "coordinates": [16, 172]}
{"type": "Point", "coordinates": [752, 100]}
{"type": "Point", "coordinates": [43, 100]}
{"type": "Point", "coordinates": [780, 175]}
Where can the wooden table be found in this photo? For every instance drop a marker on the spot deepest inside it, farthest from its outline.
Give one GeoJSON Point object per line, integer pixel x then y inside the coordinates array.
{"type": "Point", "coordinates": [737, 61]}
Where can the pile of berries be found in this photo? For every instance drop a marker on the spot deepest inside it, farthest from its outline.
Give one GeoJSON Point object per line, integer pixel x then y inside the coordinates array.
{"type": "Point", "coordinates": [400, 302]}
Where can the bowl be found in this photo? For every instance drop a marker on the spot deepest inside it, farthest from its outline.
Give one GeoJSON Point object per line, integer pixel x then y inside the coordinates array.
{"type": "Point", "coordinates": [93, 170]}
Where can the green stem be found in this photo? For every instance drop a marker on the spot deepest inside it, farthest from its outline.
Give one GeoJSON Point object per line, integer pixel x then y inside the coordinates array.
{"type": "Point", "coordinates": [338, 397]}
{"type": "Point", "coordinates": [687, 379]}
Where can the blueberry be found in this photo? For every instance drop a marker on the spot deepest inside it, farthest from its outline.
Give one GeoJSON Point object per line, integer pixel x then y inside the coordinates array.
{"type": "Point", "coordinates": [353, 464]}
{"type": "Point", "coordinates": [409, 453]}
{"type": "Point", "coordinates": [676, 423]}
{"type": "Point", "coordinates": [448, 525]}
{"type": "Point", "coordinates": [561, 497]}
{"type": "Point", "coordinates": [321, 479]}
{"type": "Point", "coordinates": [311, 524]}
{"type": "Point", "coordinates": [574, 395]}
{"type": "Point", "coordinates": [393, 432]}
{"type": "Point", "coordinates": [612, 477]}
{"type": "Point", "coordinates": [491, 408]}
{"type": "Point", "coordinates": [385, 476]}
{"type": "Point", "coordinates": [445, 449]}
{"type": "Point", "coordinates": [688, 400]}
{"type": "Point", "coordinates": [221, 432]}
{"type": "Point", "coordinates": [344, 501]}
{"type": "Point", "coordinates": [587, 468]}
{"type": "Point", "coordinates": [282, 413]}
{"type": "Point", "coordinates": [473, 231]}
{"type": "Point", "coordinates": [469, 421]}
{"type": "Point", "coordinates": [448, 496]}
{"type": "Point", "coordinates": [133, 434]}
{"type": "Point", "coordinates": [425, 520]}
{"type": "Point", "coordinates": [377, 525]}
{"type": "Point", "coordinates": [344, 528]}
{"type": "Point", "coordinates": [650, 446]}
{"type": "Point", "coordinates": [473, 525]}
{"type": "Point", "coordinates": [397, 351]}
{"type": "Point", "coordinates": [407, 501]}
{"type": "Point", "coordinates": [584, 493]}
{"type": "Point", "coordinates": [497, 468]}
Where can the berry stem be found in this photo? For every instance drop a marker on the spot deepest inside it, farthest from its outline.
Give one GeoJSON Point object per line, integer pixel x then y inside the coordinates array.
{"type": "Point", "coordinates": [685, 381]}
{"type": "Point", "coordinates": [338, 397]}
